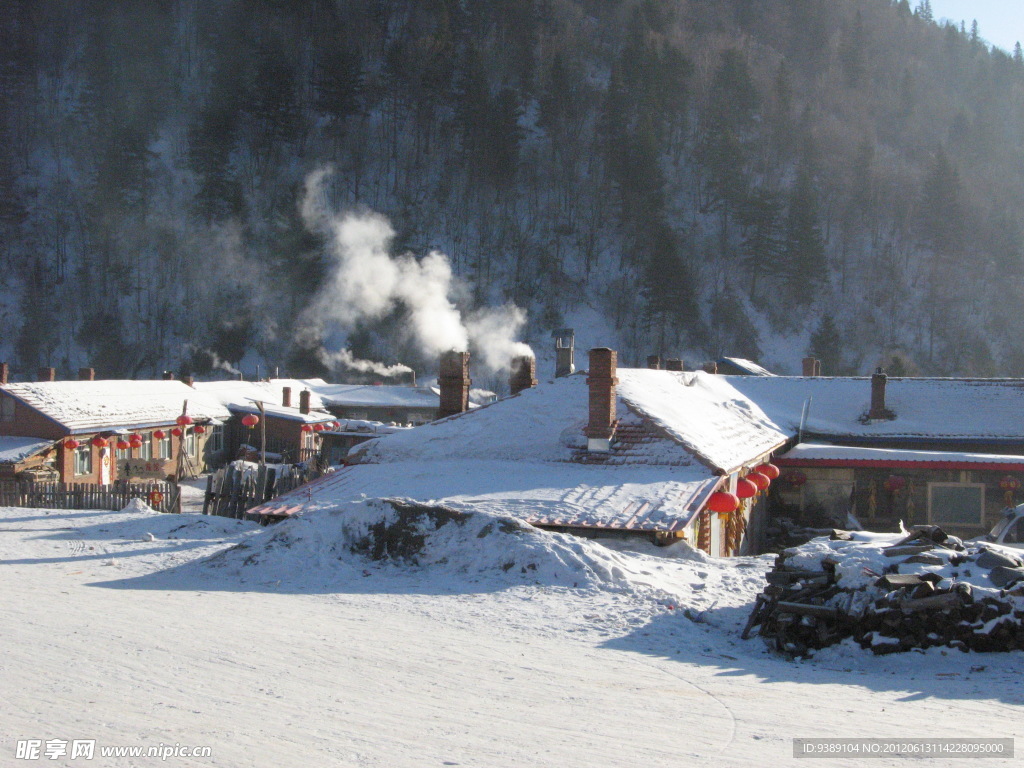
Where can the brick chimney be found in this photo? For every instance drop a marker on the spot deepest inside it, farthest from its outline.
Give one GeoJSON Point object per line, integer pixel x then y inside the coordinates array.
{"type": "Point", "coordinates": [565, 350]}
{"type": "Point", "coordinates": [188, 381]}
{"type": "Point", "coordinates": [5, 373]}
{"type": "Point", "coordinates": [812, 367]}
{"type": "Point", "coordinates": [711, 367]}
{"type": "Point", "coordinates": [87, 374]}
{"type": "Point", "coordinates": [601, 381]}
{"type": "Point", "coordinates": [454, 381]}
{"type": "Point", "coordinates": [654, 362]}
{"type": "Point", "coordinates": [168, 376]}
{"type": "Point", "coordinates": [46, 374]}
{"type": "Point", "coordinates": [304, 397]}
{"type": "Point", "coordinates": [878, 409]}
{"type": "Point", "coordinates": [286, 397]}
{"type": "Point", "coordinates": [523, 374]}
{"type": "Point", "coordinates": [673, 364]}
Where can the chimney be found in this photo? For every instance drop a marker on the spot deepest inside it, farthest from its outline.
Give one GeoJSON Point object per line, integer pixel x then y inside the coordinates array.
{"type": "Point", "coordinates": [412, 378]}
{"type": "Point", "coordinates": [878, 409]}
{"type": "Point", "coordinates": [5, 373]}
{"type": "Point", "coordinates": [711, 367]}
{"type": "Point", "coordinates": [286, 397]}
{"type": "Point", "coordinates": [523, 374]}
{"type": "Point", "coordinates": [188, 381]}
{"type": "Point", "coordinates": [817, 367]}
{"type": "Point", "coordinates": [304, 396]}
{"type": "Point", "coordinates": [812, 367]}
{"type": "Point", "coordinates": [87, 374]}
{"type": "Point", "coordinates": [601, 382]}
{"type": "Point", "coordinates": [565, 343]}
{"type": "Point", "coordinates": [454, 381]}
{"type": "Point", "coordinates": [673, 364]}
{"type": "Point", "coordinates": [168, 376]}
{"type": "Point", "coordinates": [654, 362]}
{"type": "Point", "coordinates": [46, 374]}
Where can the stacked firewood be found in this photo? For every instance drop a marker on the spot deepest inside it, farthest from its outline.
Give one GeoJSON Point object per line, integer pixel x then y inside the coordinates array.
{"type": "Point", "coordinates": [932, 590]}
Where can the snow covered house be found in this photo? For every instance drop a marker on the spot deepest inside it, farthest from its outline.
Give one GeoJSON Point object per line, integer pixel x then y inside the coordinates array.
{"type": "Point", "coordinates": [385, 403]}
{"type": "Point", "coordinates": [612, 451]}
{"type": "Point", "coordinates": [264, 417]}
{"type": "Point", "coordinates": [89, 431]}
{"type": "Point", "coordinates": [918, 450]}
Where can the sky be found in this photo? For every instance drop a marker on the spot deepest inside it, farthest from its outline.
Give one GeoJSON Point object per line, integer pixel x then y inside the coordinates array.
{"type": "Point", "coordinates": [1000, 22]}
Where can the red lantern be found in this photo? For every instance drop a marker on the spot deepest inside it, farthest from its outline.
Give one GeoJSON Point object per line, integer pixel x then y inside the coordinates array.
{"type": "Point", "coordinates": [176, 432]}
{"type": "Point", "coordinates": [759, 480]}
{"type": "Point", "coordinates": [1009, 483]}
{"type": "Point", "coordinates": [135, 441]}
{"type": "Point", "coordinates": [723, 502]}
{"type": "Point", "coordinates": [250, 420]}
{"type": "Point", "coordinates": [318, 427]}
{"type": "Point", "coordinates": [769, 470]}
{"type": "Point", "coordinates": [745, 489]}
{"type": "Point", "coordinates": [71, 444]}
{"type": "Point", "coordinates": [159, 434]}
{"type": "Point", "coordinates": [796, 478]}
{"type": "Point", "coordinates": [335, 425]}
{"type": "Point", "coordinates": [184, 420]}
{"type": "Point", "coordinates": [307, 427]}
{"type": "Point", "coordinates": [199, 429]}
{"type": "Point", "coordinates": [123, 445]}
{"type": "Point", "coordinates": [895, 483]}
{"type": "Point", "coordinates": [99, 442]}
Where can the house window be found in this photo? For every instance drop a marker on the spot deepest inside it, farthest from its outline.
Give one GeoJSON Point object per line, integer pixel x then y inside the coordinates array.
{"type": "Point", "coordinates": [6, 408]}
{"type": "Point", "coordinates": [146, 449]}
{"type": "Point", "coordinates": [123, 453]}
{"type": "Point", "coordinates": [956, 504]}
{"type": "Point", "coordinates": [189, 444]}
{"type": "Point", "coordinates": [215, 443]}
{"type": "Point", "coordinates": [83, 460]}
{"type": "Point", "coordinates": [163, 448]}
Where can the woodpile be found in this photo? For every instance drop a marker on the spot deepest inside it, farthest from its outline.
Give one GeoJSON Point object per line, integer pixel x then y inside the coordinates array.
{"type": "Point", "coordinates": [892, 594]}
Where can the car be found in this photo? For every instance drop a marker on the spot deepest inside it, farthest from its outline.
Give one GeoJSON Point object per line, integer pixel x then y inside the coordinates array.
{"type": "Point", "coordinates": [1009, 531]}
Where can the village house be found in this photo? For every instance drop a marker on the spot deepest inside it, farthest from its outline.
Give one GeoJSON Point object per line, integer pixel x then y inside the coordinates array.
{"type": "Point", "coordinates": [665, 455]}
{"type": "Point", "coordinates": [948, 452]}
{"type": "Point", "coordinates": [90, 431]}
{"type": "Point", "coordinates": [281, 419]}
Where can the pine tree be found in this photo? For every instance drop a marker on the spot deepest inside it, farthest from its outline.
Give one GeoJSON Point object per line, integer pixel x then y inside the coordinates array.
{"type": "Point", "coordinates": [826, 344]}
{"type": "Point", "coordinates": [804, 254]}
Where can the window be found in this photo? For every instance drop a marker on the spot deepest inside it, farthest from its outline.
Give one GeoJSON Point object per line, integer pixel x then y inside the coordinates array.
{"type": "Point", "coordinates": [216, 442]}
{"type": "Point", "coordinates": [163, 448]}
{"type": "Point", "coordinates": [189, 444]}
{"type": "Point", "coordinates": [83, 460]}
{"type": "Point", "coordinates": [123, 453]}
{"type": "Point", "coordinates": [146, 449]}
{"type": "Point", "coordinates": [956, 504]}
{"type": "Point", "coordinates": [6, 408]}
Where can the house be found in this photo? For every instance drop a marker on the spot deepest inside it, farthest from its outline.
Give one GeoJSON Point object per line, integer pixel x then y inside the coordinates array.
{"type": "Point", "coordinates": [385, 403]}
{"type": "Point", "coordinates": [626, 452]}
{"type": "Point", "coordinates": [336, 442]}
{"type": "Point", "coordinates": [90, 431]}
{"type": "Point", "coordinates": [264, 419]}
{"type": "Point", "coordinates": [948, 452]}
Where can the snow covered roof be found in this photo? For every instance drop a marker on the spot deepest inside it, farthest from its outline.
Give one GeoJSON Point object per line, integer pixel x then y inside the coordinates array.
{"type": "Point", "coordinates": [934, 409]}
{"type": "Point", "coordinates": [845, 456]}
{"type": "Point", "coordinates": [15, 449]}
{"type": "Point", "coordinates": [90, 406]}
{"type": "Point", "coordinates": [746, 367]}
{"type": "Point", "coordinates": [525, 455]}
{"type": "Point", "coordinates": [242, 396]}
{"type": "Point", "coordinates": [365, 395]}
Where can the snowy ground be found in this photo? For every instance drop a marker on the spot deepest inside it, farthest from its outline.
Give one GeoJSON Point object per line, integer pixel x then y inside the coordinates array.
{"type": "Point", "coordinates": [130, 628]}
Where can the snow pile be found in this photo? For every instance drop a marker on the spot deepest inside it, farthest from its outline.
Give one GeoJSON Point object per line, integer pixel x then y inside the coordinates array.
{"type": "Point", "coordinates": [893, 592]}
{"type": "Point", "coordinates": [444, 541]}
{"type": "Point", "coordinates": [138, 506]}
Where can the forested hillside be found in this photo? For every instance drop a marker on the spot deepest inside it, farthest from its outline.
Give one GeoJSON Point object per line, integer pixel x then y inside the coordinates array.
{"type": "Point", "coordinates": [684, 177]}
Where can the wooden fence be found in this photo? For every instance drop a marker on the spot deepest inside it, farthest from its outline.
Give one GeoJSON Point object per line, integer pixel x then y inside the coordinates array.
{"type": "Point", "coordinates": [161, 496]}
{"type": "Point", "coordinates": [231, 491]}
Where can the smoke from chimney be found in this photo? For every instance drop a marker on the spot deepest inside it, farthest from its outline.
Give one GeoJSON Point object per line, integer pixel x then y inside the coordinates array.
{"type": "Point", "coordinates": [368, 282]}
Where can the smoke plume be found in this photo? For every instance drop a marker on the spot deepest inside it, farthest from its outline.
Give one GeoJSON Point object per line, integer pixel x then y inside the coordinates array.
{"type": "Point", "coordinates": [368, 282]}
